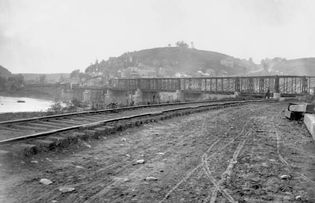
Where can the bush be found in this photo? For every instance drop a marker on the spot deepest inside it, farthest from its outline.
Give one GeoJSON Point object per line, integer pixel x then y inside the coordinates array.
{"type": "Point", "coordinates": [55, 108]}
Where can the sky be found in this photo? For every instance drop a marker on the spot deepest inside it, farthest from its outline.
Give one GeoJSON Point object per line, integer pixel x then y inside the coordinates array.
{"type": "Point", "coordinates": [58, 36]}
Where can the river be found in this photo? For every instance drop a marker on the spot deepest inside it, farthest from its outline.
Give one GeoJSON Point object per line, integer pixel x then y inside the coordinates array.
{"type": "Point", "coordinates": [23, 104]}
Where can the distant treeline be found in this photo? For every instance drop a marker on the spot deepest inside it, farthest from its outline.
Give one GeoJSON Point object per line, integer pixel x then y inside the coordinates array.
{"type": "Point", "coordinates": [11, 83]}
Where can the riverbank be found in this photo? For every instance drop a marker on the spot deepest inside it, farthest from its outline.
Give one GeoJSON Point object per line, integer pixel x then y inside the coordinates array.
{"type": "Point", "coordinates": [27, 93]}
{"type": "Point", "coordinates": [23, 104]}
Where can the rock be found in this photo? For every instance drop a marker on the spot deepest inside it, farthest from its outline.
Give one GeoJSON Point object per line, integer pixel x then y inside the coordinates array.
{"type": "Point", "coordinates": [66, 189]}
{"type": "Point", "coordinates": [309, 121]}
{"type": "Point", "coordinates": [140, 161]}
{"type": "Point", "coordinates": [86, 144]}
{"type": "Point", "coordinates": [285, 177]}
{"type": "Point", "coordinates": [127, 155]}
{"type": "Point", "coordinates": [123, 139]}
{"type": "Point", "coordinates": [79, 167]}
{"type": "Point", "coordinates": [34, 162]}
{"type": "Point", "coordinates": [151, 178]}
{"type": "Point", "coordinates": [45, 181]}
{"type": "Point", "coordinates": [48, 159]}
{"type": "Point", "coordinates": [298, 197]}
{"type": "Point", "coordinates": [297, 107]}
{"type": "Point", "coordinates": [160, 153]}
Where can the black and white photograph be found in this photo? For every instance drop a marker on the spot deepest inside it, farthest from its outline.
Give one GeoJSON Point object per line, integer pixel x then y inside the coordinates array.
{"type": "Point", "coordinates": [157, 101]}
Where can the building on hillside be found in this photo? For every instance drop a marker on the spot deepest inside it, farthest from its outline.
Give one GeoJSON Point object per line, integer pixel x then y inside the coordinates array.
{"type": "Point", "coordinates": [229, 62]}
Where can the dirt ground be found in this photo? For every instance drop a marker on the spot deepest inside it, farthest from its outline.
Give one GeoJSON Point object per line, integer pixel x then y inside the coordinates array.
{"type": "Point", "coordinates": [249, 153]}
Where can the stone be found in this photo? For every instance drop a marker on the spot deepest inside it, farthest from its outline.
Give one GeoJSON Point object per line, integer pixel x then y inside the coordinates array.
{"type": "Point", "coordinates": [298, 197]}
{"type": "Point", "coordinates": [151, 178]}
{"type": "Point", "coordinates": [297, 107]}
{"type": "Point", "coordinates": [45, 181]}
{"type": "Point", "coordinates": [285, 177]}
{"type": "Point", "coordinates": [140, 161]}
{"type": "Point", "coordinates": [309, 121]}
{"type": "Point", "coordinates": [66, 189]}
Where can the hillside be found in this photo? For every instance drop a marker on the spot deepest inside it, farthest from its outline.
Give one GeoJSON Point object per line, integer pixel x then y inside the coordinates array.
{"type": "Point", "coordinates": [172, 61]}
{"type": "Point", "coordinates": [302, 66]}
{"type": "Point", "coordinates": [48, 78]}
{"type": "Point", "coordinates": [4, 72]}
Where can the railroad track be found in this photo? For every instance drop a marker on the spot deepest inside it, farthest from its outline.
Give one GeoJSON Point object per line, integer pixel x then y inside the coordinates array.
{"type": "Point", "coordinates": [24, 129]}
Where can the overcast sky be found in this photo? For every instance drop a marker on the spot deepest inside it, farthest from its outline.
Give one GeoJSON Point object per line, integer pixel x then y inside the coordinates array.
{"type": "Point", "coordinates": [50, 36]}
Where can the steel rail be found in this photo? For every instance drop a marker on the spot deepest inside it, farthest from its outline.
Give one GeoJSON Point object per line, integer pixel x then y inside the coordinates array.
{"type": "Point", "coordinates": [102, 111]}
{"type": "Point", "coordinates": [103, 122]}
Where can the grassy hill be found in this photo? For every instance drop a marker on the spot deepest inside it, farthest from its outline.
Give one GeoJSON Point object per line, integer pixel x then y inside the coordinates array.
{"type": "Point", "coordinates": [189, 60]}
{"type": "Point", "coordinates": [4, 72]}
{"type": "Point", "coordinates": [175, 60]}
{"type": "Point", "coordinates": [49, 77]}
{"type": "Point", "coordinates": [301, 66]}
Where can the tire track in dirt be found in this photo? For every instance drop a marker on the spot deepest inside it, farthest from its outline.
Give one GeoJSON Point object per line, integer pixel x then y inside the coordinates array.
{"type": "Point", "coordinates": [105, 190]}
{"type": "Point", "coordinates": [91, 182]}
{"type": "Point", "coordinates": [282, 159]}
{"type": "Point", "coordinates": [226, 174]}
{"type": "Point", "coordinates": [205, 159]}
{"type": "Point", "coordinates": [258, 175]}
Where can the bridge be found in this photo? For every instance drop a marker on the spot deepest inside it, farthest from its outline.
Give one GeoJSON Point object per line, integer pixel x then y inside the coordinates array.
{"type": "Point", "coordinates": [154, 90]}
{"type": "Point", "coordinates": [190, 88]}
{"type": "Point", "coordinates": [286, 85]}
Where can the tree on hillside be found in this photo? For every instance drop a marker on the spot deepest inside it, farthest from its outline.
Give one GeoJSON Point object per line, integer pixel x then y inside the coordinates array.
{"type": "Point", "coordinates": [75, 73]}
{"type": "Point", "coordinates": [3, 82]}
{"type": "Point", "coordinates": [182, 44]}
{"type": "Point", "coordinates": [42, 79]}
{"type": "Point", "coordinates": [61, 79]}
{"type": "Point", "coordinates": [15, 82]}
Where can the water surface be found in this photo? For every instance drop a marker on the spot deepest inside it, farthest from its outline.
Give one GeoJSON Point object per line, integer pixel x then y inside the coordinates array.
{"type": "Point", "coordinates": [11, 104]}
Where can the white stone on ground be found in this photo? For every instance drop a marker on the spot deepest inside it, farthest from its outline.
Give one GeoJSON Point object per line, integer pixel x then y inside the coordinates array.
{"type": "Point", "coordinates": [309, 120]}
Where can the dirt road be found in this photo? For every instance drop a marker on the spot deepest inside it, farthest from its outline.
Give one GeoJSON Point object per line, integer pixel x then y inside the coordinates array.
{"type": "Point", "coordinates": [241, 154]}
